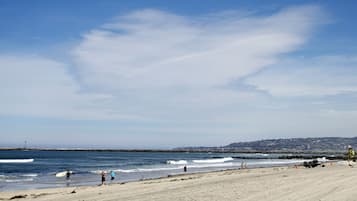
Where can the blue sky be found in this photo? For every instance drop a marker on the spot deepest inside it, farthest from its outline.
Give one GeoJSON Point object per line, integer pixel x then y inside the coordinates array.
{"type": "Point", "coordinates": [159, 74]}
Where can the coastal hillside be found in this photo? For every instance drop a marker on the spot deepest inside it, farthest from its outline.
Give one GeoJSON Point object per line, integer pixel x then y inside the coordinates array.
{"type": "Point", "coordinates": [323, 144]}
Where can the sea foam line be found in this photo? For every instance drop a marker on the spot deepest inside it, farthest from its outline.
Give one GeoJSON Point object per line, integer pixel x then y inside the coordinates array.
{"type": "Point", "coordinates": [18, 180]}
{"type": "Point", "coordinates": [16, 160]}
{"type": "Point", "coordinates": [218, 160]}
{"type": "Point", "coordinates": [179, 162]}
{"type": "Point", "coordinates": [29, 175]}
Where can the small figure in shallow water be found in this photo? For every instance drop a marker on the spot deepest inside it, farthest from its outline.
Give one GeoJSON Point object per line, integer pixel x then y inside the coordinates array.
{"type": "Point", "coordinates": [103, 177]}
{"type": "Point", "coordinates": [112, 175]}
{"type": "Point", "coordinates": [68, 178]}
{"type": "Point", "coordinates": [185, 168]}
{"type": "Point", "coordinates": [68, 174]}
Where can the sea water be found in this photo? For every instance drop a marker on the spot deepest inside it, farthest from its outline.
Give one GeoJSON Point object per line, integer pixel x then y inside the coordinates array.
{"type": "Point", "coordinates": [37, 169]}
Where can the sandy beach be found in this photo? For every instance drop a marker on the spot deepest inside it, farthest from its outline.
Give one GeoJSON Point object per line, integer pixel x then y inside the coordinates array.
{"type": "Point", "coordinates": [333, 182]}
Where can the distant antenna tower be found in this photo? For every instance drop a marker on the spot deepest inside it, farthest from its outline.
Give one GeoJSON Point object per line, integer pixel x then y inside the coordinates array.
{"type": "Point", "coordinates": [25, 144]}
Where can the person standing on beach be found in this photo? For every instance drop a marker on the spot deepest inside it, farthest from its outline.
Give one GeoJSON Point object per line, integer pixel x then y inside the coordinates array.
{"type": "Point", "coordinates": [68, 174]}
{"type": "Point", "coordinates": [68, 178]}
{"type": "Point", "coordinates": [103, 177]}
{"type": "Point", "coordinates": [112, 175]}
{"type": "Point", "coordinates": [185, 168]}
{"type": "Point", "coordinates": [350, 155]}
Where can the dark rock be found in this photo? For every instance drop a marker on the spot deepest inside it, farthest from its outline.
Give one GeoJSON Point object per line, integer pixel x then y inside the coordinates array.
{"type": "Point", "coordinates": [17, 197]}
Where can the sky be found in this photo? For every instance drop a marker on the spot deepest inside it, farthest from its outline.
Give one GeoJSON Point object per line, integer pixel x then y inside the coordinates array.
{"type": "Point", "coordinates": [164, 74]}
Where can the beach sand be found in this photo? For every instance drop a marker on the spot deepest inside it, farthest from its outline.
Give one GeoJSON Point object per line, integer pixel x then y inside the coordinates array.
{"type": "Point", "coordinates": [333, 182]}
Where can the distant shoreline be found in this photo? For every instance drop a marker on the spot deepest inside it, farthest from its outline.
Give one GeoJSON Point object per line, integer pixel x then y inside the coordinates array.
{"type": "Point", "coordinates": [318, 146]}
{"type": "Point", "coordinates": [291, 154]}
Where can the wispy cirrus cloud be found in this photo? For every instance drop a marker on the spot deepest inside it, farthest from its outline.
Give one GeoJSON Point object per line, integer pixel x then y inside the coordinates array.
{"type": "Point", "coordinates": [310, 77]}
{"type": "Point", "coordinates": [41, 87]}
{"type": "Point", "coordinates": [153, 64]}
{"type": "Point", "coordinates": [190, 75]}
{"type": "Point", "coordinates": [155, 49]}
{"type": "Point", "coordinates": [160, 65]}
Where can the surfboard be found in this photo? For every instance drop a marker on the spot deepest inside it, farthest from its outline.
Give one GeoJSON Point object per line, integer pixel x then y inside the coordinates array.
{"type": "Point", "coordinates": [62, 174]}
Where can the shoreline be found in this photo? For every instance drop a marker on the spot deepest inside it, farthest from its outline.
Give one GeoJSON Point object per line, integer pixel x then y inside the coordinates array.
{"type": "Point", "coordinates": [151, 180]}
{"type": "Point", "coordinates": [120, 180]}
{"type": "Point", "coordinates": [39, 174]}
{"type": "Point", "coordinates": [174, 175]}
{"type": "Point", "coordinates": [117, 182]}
{"type": "Point", "coordinates": [175, 150]}
{"type": "Point", "coordinates": [238, 184]}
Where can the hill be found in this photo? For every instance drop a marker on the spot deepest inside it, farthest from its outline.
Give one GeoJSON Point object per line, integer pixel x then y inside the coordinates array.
{"type": "Point", "coordinates": [323, 144]}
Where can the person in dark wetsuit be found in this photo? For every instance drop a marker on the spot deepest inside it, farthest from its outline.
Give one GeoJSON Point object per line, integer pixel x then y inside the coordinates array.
{"type": "Point", "coordinates": [185, 168]}
{"type": "Point", "coordinates": [68, 174]}
{"type": "Point", "coordinates": [103, 177]}
{"type": "Point", "coordinates": [68, 178]}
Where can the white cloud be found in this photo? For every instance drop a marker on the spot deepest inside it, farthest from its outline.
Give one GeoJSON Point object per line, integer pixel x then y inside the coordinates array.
{"type": "Point", "coordinates": [155, 49]}
{"type": "Point", "coordinates": [320, 76]}
{"type": "Point", "coordinates": [176, 71]}
{"type": "Point", "coordinates": [154, 64]}
{"type": "Point", "coordinates": [36, 86]}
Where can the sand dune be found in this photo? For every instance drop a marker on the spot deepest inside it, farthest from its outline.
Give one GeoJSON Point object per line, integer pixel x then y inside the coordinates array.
{"type": "Point", "coordinates": [333, 182]}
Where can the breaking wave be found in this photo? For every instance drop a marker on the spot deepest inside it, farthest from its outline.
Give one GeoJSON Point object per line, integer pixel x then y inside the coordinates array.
{"type": "Point", "coordinates": [18, 180]}
{"type": "Point", "coordinates": [216, 160]}
{"type": "Point", "coordinates": [138, 170]}
{"type": "Point", "coordinates": [29, 175]}
{"type": "Point", "coordinates": [16, 160]}
{"type": "Point", "coordinates": [179, 162]}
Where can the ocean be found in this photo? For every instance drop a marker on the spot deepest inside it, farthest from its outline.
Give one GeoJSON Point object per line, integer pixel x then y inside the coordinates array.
{"type": "Point", "coordinates": [37, 169]}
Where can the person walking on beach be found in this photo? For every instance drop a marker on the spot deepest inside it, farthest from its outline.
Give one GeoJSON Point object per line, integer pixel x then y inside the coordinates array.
{"type": "Point", "coordinates": [185, 168]}
{"type": "Point", "coordinates": [350, 155]}
{"type": "Point", "coordinates": [103, 177]}
{"type": "Point", "coordinates": [112, 175]}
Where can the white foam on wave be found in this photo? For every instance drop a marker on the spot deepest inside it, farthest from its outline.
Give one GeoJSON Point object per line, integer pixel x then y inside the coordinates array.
{"type": "Point", "coordinates": [179, 162]}
{"type": "Point", "coordinates": [216, 160]}
{"type": "Point", "coordinates": [179, 167]}
{"type": "Point", "coordinates": [29, 175]}
{"type": "Point", "coordinates": [276, 162]}
{"type": "Point", "coordinates": [208, 163]}
{"type": "Point", "coordinates": [322, 160]}
{"type": "Point", "coordinates": [139, 170]}
{"type": "Point", "coordinates": [18, 180]}
{"type": "Point", "coordinates": [261, 154]}
{"type": "Point", "coordinates": [16, 160]}
{"type": "Point", "coordinates": [99, 171]}
{"type": "Point", "coordinates": [149, 169]}
{"type": "Point", "coordinates": [213, 165]}
{"type": "Point", "coordinates": [282, 162]}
